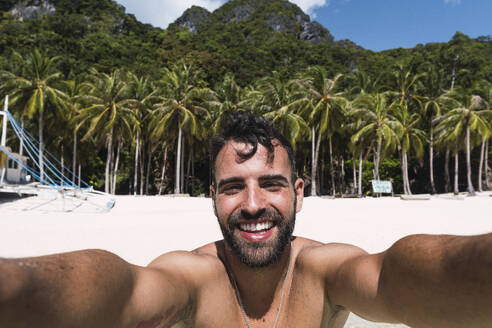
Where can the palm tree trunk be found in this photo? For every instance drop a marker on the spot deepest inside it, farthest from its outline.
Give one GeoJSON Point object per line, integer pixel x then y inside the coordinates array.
{"type": "Point", "coordinates": [178, 164]}
{"type": "Point", "coordinates": [111, 174]}
{"type": "Point", "coordinates": [135, 175]}
{"type": "Point", "coordinates": [108, 162]}
{"type": "Point", "coordinates": [447, 178]}
{"type": "Point", "coordinates": [406, 181]}
{"type": "Point", "coordinates": [74, 157]}
{"type": "Point", "coordinates": [315, 166]}
{"type": "Point", "coordinates": [456, 163]}
{"type": "Point", "coordinates": [321, 170]}
{"type": "Point", "coordinates": [342, 175]}
{"type": "Point", "coordinates": [487, 183]}
{"type": "Point", "coordinates": [376, 160]}
{"type": "Point", "coordinates": [116, 164]}
{"type": "Point", "coordinates": [147, 175]}
{"type": "Point", "coordinates": [332, 168]}
{"type": "Point", "coordinates": [354, 174]}
{"type": "Point", "coordinates": [313, 162]}
{"type": "Point", "coordinates": [188, 170]}
{"type": "Point", "coordinates": [471, 190]}
{"type": "Point", "coordinates": [182, 175]}
{"type": "Point", "coordinates": [163, 172]}
{"type": "Point", "coordinates": [359, 189]}
{"type": "Point", "coordinates": [142, 162]}
{"type": "Point", "coordinates": [431, 159]}
{"type": "Point", "coordinates": [40, 149]}
{"type": "Point", "coordinates": [192, 165]}
{"type": "Point", "coordinates": [80, 172]}
{"type": "Point", "coordinates": [403, 173]}
{"type": "Point", "coordinates": [482, 153]}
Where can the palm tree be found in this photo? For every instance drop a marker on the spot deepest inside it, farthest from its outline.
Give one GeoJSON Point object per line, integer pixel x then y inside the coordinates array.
{"type": "Point", "coordinates": [180, 104]}
{"type": "Point", "coordinates": [378, 125]}
{"type": "Point", "coordinates": [142, 97]}
{"type": "Point", "coordinates": [433, 86]}
{"type": "Point", "coordinates": [468, 114]}
{"type": "Point", "coordinates": [406, 84]}
{"type": "Point", "coordinates": [278, 102]}
{"type": "Point", "coordinates": [357, 149]}
{"type": "Point", "coordinates": [484, 89]}
{"type": "Point", "coordinates": [34, 89]}
{"type": "Point", "coordinates": [73, 104]}
{"type": "Point", "coordinates": [361, 82]}
{"type": "Point", "coordinates": [230, 97]}
{"type": "Point", "coordinates": [325, 112]}
{"type": "Point", "coordinates": [109, 112]}
{"type": "Point", "coordinates": [411, 138]}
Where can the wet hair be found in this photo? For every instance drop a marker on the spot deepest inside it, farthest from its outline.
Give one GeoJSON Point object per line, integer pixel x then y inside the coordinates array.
{"type": "Point", "coordinates": [251, 129]}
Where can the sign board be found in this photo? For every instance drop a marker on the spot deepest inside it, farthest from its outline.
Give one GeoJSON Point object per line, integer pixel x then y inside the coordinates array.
{"type": "Point", "coordinates": [381, 186]}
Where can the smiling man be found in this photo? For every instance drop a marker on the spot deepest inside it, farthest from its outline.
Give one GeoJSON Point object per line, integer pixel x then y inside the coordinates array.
{"type": "Point", "coordinates": [259, 275]}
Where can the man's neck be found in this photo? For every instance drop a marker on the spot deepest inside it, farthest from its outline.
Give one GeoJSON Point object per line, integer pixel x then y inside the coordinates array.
{"type": "Point", "coordinates": [259, 288]}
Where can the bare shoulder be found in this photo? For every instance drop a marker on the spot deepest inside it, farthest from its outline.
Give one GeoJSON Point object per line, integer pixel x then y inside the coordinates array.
{"type": "Point", "coordinates": [195, 264]}
{"type": "Point", "coordinates": [325, 259]}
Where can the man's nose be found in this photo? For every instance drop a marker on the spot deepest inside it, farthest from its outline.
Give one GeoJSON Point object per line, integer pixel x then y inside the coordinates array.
{"type": "Point", "coordinates": [254, 204]}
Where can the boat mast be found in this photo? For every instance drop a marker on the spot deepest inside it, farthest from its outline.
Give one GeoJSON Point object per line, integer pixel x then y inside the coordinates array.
{"type": "Point", "coordinates": [3, 141]}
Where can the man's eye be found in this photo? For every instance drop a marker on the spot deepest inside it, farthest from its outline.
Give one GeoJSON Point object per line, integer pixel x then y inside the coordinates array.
{"type": "Point", "coordinates": [231, 189]}
{"type": "Point", "coordinates": [272, 185]}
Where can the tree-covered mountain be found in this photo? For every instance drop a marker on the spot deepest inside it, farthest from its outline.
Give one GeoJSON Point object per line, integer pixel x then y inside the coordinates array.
{"type": "Point", "coordinates": [137, 93]}
{"type": "Point", "coordinates": [250, 38]}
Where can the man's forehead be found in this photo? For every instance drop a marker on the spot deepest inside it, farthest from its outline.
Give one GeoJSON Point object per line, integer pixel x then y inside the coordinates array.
{"type": "Point", "coordinates": [230, 154]}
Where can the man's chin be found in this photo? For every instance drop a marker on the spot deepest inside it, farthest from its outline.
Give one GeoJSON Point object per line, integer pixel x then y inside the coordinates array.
{"type": "Point", "coordinates": [256, 254]}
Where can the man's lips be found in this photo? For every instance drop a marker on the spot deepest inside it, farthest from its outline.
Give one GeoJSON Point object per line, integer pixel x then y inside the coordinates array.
{"type": "Point", "coordinates": [256, 230]}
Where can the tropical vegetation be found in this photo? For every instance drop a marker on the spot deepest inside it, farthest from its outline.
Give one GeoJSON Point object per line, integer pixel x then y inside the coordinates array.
{"type": "Point", "coordinates": [135, 105]}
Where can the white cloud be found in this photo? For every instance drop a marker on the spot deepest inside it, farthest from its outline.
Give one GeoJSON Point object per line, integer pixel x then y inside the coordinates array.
{"type": "Point", "coordinates": [452, 2]}
{"type": "Point", "coordinates": [309, 6]}
{"type": "Point", "coordinates": [163, 12]}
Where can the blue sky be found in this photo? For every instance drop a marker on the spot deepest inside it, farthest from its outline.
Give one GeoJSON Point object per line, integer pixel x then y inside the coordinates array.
{"type": "Point", "coordinates": [373, 24]}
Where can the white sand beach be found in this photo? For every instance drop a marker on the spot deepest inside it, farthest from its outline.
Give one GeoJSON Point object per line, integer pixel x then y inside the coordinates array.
{"type": "Point", "coordinates": [141, 228]}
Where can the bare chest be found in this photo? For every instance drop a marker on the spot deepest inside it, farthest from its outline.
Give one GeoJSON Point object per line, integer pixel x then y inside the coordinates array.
{"type": "Point", "coordinates": [305, 305]}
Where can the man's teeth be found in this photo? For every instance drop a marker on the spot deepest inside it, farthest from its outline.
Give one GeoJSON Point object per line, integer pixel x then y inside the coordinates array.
{"type": "Point", "coordinates": [254, 227]}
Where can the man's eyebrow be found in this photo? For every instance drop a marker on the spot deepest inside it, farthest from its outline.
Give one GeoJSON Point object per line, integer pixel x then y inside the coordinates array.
{"type": "Point", "coordinates": [277, 177]}
{"type": "Point", "coordinates": [228, 180]}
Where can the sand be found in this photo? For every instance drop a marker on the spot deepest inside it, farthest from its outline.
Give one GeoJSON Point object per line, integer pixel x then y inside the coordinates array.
{"type": "Point", "coordinates": [141, 228]}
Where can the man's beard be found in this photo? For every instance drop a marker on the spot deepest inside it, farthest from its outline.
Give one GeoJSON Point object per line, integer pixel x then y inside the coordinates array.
{"type": "Point", "coordinates": [263, 253]}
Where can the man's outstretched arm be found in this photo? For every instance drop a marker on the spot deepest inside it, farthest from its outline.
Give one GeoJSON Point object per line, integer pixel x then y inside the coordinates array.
{"type": "Point", "coordinates": [89, 288]}
{"type": "Point", "coordinates": [422, 281]}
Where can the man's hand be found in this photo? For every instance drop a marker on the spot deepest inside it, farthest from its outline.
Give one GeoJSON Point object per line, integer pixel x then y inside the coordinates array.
{"type": "Point", "coordinates": [422, 281]}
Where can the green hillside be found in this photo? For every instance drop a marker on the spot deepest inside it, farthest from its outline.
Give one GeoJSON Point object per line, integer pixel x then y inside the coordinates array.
{"type": "Point", "coordinates": [261, 55]}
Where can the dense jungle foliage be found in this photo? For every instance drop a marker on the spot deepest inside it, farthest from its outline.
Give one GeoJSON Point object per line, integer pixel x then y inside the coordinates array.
{"type": "Point", "coordinates": [134, 105]}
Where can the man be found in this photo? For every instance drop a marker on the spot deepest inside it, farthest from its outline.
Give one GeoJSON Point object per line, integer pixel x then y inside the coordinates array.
{"type": "Point", "coordinates": [259, 275]}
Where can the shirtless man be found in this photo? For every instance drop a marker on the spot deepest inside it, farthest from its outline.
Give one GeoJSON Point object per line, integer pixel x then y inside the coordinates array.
{"type": "Point", "coordinates": [259, 275]}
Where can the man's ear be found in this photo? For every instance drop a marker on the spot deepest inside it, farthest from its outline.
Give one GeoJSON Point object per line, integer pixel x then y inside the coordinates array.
{"type": "Point", "coordinates": [212, 194]}
{"type": "Point", "coordinates": [299, 190]}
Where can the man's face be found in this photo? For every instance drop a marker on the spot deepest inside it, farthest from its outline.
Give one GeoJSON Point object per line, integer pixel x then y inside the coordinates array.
{"type": "Point", "coordinates": [256, 202]}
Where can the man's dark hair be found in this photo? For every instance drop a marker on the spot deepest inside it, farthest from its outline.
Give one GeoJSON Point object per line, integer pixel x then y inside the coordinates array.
{"type": "Point", "coordinates": [252, 129]}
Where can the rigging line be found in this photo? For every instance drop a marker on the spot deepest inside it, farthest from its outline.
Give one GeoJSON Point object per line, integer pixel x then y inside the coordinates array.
{"type": "Point", "coordinates": [71, 173]}
{"type": "Point", "coordinates": [30, 149]}
{"type": "Point", "coordinates": [66, 181]}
